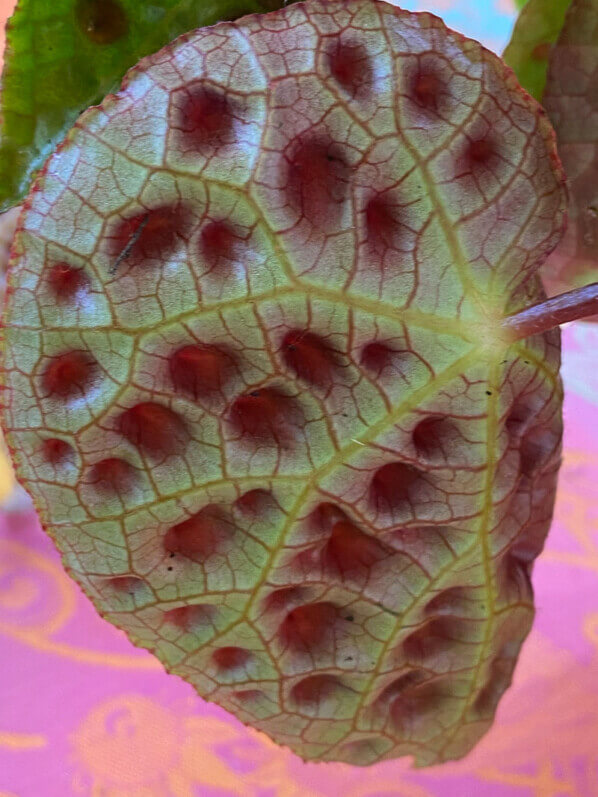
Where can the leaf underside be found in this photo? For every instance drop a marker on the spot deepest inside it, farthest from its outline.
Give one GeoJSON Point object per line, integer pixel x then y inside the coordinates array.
{"type": "Point", "coordinates": [65, 55]}
{"type": "Point", "coordinates": [571, 101]}
{"type": "Point", "coordinates": [252, 380]}
{"type": "Point", "coordinates": [536, 30]}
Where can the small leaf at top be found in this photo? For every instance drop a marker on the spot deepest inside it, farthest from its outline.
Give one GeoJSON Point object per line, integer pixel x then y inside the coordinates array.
{"type": "Point", "coordinates": [65, 55]}
{"type": "Point", "coordinates": [571, 100]}
{"type": "Point", "coordinates": [536, 30]}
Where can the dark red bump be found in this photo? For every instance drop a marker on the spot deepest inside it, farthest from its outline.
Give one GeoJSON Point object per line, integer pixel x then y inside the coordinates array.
{"type": "Point", "coordinates": [431, 640]}
{"type": "Point", "coordinates": [101, 21]}
{"type": "Point", "coordinates": [148, 235]}
{"type": "Point", "coordinates": [309, 626]}
{"type": "Point", "coordinates": [452, 601]}
{"type": "Point", "coordinates": [70, 374]}
{"type": "Point", "coordinates": [433, 437]}
{"type": "Point", "coordinates": [514, 575]}
{"type": "Point", "coordinates": [231, 658]}
{"type": "Point", "coordinates": [218, 242]}
{"type": "Point", "coordinates": [255, 502]}
{"type": "Point", "coordinates": [200, 536]}
{"type": "Point", "coordinates": [126, 584]}
{"type": "Point", "coordinates": [57, 452]}
{"type": "Point", "coordinates": [66, 282]}
{"type": "Point", "coordinates": [263, 414]}
{"type": "Point", "coordinates": [318, 181]}
{"type": "Point", "coordinates": [417, 702]}
{"type": "Point", "coordinates": [324, 516]}
{"type": "Point", "coordinates": [394, 486]}
{"type": "Point", "coordinates": [248, 695]}
{"type": "Point", "coordinates": [518, 417]}
{"type": "Point", "coordinates": [535, 449]}
{"type": "Point", "coordinates": [427, 88]}
{"type": "Point", "coordinates": [499, 679]}
{"type": "Point", "coordinates": [112, 475]}
{"type": "Point", "coordinates": [377, 356]}
{"type": "Point", "coordinates": [310, 357]}
{"type": "Point", "coordinates": [154, 428]}
{"type": "Point", "coordinates": [205, 118]}
{"type": "Point", "coordinates": [283, 598]}
{"type": "Point", "coordinates": [480, 151]}
{"type": "Point", "coordinates": [314, 689]}
{"type": "Point", "coordinates": [200, 370]}
{"type": "Point", "coordinates": [349, 65]}
{"type": "Point", "coordinates": [382, 224]}
{"type": "Point", "coordinates": [189, 618]}
{"type": "Point", "coordinates": [349, 549]}
{"type": "Point", "coordinates": [400, 685]}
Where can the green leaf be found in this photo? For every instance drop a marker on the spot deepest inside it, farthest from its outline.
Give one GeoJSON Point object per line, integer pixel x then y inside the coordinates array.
{"type": "Point", "coordinates": [256, 379]}
{"type": "Point", "coordinates": [535, 31]}
{"type": "Point", "coordinates": [571, 101]}
{"type": "Point", "coordinates": [65, 55]}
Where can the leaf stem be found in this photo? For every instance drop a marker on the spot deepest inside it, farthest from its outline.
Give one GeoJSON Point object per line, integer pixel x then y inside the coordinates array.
{"type": "Point", "coordinates": [550, 313]}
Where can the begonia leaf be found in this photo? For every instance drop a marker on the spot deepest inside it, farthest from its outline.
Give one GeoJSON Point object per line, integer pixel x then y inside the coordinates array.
{"type": "Point", "coordinates": [257, 382]}
{"type": "Point", "coordinates": [536, 30]}
{"type": "Point", "coordinates": [65, 55]}
{"type": "Point", "coordinates": [571, 101]}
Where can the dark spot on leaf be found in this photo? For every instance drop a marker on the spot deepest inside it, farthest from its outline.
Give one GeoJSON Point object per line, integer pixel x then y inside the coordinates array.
{"type": "Point", "coordinates": [428, 87]}
{"type": "Point", "coordinates": [541, 51]}
{"type": "Point", "coordinates": [128, 585]}
{"type": "Point", "coordinates": [69, 375]}
{"type": "Point", "coordinates": [435, 637]}
{"type": "Point", "coordinates": [383, 227]}
{"type": "Point", "coordinates": [349, 549]}
{"type": "Point", "coordinates": [231, 658]}
{"type": "Point", "coordinates": [189, 618]}
{"type": "Point", "coordinates": [57, 452]}
{"type": "Point", "coordinates": [149, 235]}
{"type": "Point", "coordinates": [66, 282]}
{"type": "Point", "coordinates": [537, 445]}
{"type": "Point", "coordinates": [318, 181]}
{"type": "Point", "coordinates": [434, 438]}
{"type": "Point", "coordinates": [154, 429]}
{"type": "Point", "coordinates": [394, 487]}
{"type": "Point", "coordinates": [315, 689]}
{"type": "Point", "coordinates": [265, 415]}
{"type": "Point", "coordinates": [199, 370]}
{"type": "Point", "coordinates": [479, 151]}
{"type": "Point", "coordinates": [218, 243]}
{"type": "Point", "coordinates": [310, 357]}
{"type": "Point", "coordinates": [204, 117]}
{"type": "Point", "coordinates": [102, 21]}
{"type": "Point", "coordinates": [200, 536]}
{"type": "Point", "coordinates": [112, 476]}
{"type": "Point", "coordinates": [254, 503]}
{"type": "Point", "coordinates": [284, 597]}
{"type": "Point", "coordinates": [377, 356]}
{"type": "Point", "coordinates": [349, 65]}
{"type": "Point", "coordinates": [309, 627]}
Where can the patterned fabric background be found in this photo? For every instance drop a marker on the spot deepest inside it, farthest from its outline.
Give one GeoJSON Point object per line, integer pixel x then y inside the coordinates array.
{"type": "Point", "coordinates": [82, 712]}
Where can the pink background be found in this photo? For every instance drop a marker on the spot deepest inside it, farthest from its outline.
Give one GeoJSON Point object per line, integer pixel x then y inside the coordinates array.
{"type": "Point", "coordinates": [83, 712]}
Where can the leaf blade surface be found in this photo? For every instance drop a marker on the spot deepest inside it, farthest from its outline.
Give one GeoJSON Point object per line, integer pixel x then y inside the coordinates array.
{"type": "Point", "coordinates": [252, 379]}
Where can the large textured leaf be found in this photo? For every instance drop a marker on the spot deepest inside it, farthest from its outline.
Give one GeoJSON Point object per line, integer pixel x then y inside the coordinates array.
{"type": "Point", "coordinates": [255, 379]}
{"type": "Point", "coordinates": [65, 55]}
{"type": "Point", "coordinates": [536, 30]}
{"type": "Point", "coordinates": [571, 100]}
